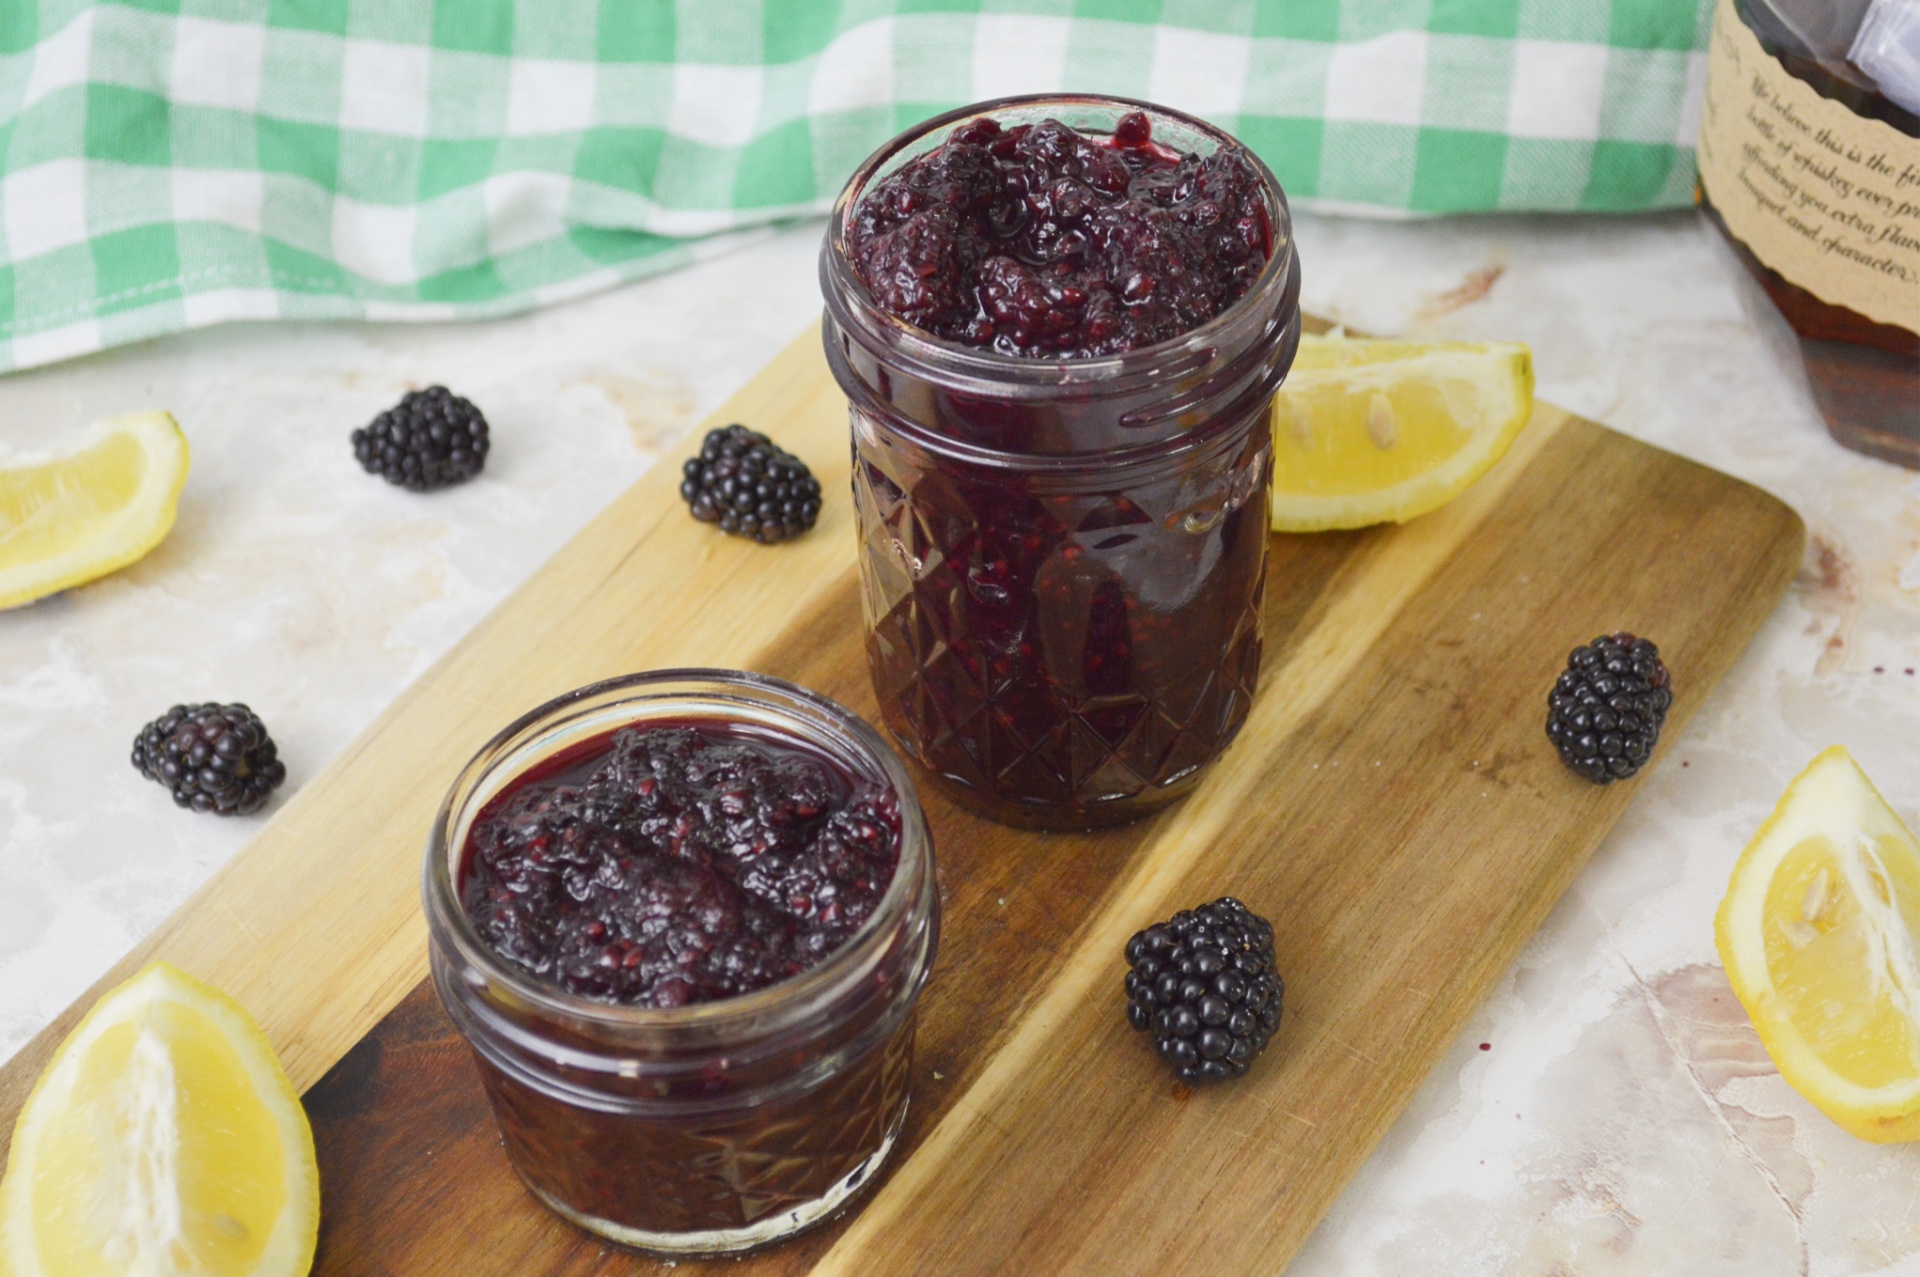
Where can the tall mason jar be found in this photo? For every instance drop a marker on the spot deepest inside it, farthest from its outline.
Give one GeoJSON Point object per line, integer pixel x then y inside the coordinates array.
{"type": "Point", "coordinates": [1063, 560]}
{"type": "Point", "coordinates": [714, 1127]}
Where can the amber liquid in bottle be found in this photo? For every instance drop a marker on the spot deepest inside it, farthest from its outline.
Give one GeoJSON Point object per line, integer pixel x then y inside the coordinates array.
{"type": "Point", "coordinates": [1865, 376]}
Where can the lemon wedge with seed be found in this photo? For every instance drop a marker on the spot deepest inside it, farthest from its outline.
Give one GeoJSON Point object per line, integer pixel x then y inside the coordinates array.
{"type": "Point", "coordinates": [1817, 933]}
{"type": "Point", "coordinates": [1371, 431]}
{"type": "Point", "coordinates": [68, 519]}
{"type": "Point", "coordinates": [164, 1139]}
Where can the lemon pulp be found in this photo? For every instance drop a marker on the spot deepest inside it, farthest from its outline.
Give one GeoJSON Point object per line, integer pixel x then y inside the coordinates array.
{"type": "Point", "coordinates": [1384, 431]}
{"type": "Point", "coordinates": [71, 518]}
{"type": "Point", "coordinates": [1817, 932]}
{"type": "Point", "coordinates": [163, 1139]}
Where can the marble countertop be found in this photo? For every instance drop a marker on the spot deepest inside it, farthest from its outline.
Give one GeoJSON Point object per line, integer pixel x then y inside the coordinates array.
{"type": "Point", "coordinates": [1609, 1109]}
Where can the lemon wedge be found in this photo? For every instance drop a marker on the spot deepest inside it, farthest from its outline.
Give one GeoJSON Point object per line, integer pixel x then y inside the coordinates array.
{"type": "Point", "coordinates": [68, 519]}
{"type": "Point", "coordinates": [1371, 431]}
{"type": "Point", "coordinates": [163, 1140]}
{"type": "Point", "coordinates": [1817, 935]}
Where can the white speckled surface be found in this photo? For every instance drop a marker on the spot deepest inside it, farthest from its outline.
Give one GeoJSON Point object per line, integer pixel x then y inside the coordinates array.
{"type": "Point", "coordinates": [1622, 1117]}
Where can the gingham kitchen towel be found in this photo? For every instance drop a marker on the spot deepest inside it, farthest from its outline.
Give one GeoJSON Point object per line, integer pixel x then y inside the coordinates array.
{"type": "Point", "coordinates": [167, 164]}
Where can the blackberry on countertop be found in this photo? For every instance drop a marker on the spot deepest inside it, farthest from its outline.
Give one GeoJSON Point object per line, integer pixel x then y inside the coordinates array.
{"type": "Point", "coordinates": [1204, 984]}
{"type": "Point", "coordinates": [1605, 712]}
{"type": "Point", "coordinates": [431, 439]}
{"type": "Point", "coordinates": [216, 758]}
{"type": "Point", "coordinates": [750, 486]}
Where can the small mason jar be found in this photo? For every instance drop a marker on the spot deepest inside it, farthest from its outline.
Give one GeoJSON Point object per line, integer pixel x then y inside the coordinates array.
{"type": "Point", "coordinates": [715, 1127]}
{"type": "Point", "coordinates": [1063, 560]}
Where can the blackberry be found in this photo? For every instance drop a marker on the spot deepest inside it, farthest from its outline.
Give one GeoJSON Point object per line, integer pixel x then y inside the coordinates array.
{"type": "Point", "coordinates": [215, 758]}
{"type": "Point", "coordinates": [1204, 984]}
{"type": "Point", "coordinates": [431, 439]}
{"type": "Point", "coordinates": [1605, 713]}
{"type": "Point", "coordinates": [750, 486]}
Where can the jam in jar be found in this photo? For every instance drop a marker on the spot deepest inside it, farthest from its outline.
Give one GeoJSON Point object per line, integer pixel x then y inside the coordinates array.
{"type": "Point", "coordinates": [1060, 323]}
{"type": "Point", "coordinates": [683, 920]}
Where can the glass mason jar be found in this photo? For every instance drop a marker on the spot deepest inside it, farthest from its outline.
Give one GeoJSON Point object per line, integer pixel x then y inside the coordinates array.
{"type": "Point", "coordinates": [1063, 560]}
{"type": "Point", "coordinates": [714, 1127]}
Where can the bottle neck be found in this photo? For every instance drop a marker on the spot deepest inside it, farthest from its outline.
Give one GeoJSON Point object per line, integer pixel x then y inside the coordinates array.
{"type": "Point", "coordinates": [1811, 39]}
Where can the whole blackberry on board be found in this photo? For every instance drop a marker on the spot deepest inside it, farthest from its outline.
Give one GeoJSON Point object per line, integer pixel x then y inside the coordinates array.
{"type": "Point", "coordinates": [1204, 985]}
{"type": "Point", "coordinates": [431, 439]}
{"type": "Point", "coordinates": [750, 486]}
{"type": "Point", "coordinates": [216, 758]}
{"type": "Point", "coordinates": [1605, 712]}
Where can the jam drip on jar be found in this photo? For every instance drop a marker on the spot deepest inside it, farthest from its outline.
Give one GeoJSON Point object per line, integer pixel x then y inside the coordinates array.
{"type": "Point", "coordinates": [1043, 242]}
{"type": "Point", "coordinates": [671, 864]}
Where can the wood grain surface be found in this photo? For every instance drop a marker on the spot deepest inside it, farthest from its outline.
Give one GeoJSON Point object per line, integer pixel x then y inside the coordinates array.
{"type": "Point", "coordinates": [1392, 804]}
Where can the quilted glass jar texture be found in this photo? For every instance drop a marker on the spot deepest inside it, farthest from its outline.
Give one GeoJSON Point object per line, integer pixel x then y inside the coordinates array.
{"type": "Point", "coordinates": [706, 1128]}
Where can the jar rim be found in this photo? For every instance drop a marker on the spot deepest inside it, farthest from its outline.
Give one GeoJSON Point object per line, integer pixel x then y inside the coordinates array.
{"type": "Point", "coordinates": [448, 920]}
{"type": "Point", "coordinates": [1183, 352]}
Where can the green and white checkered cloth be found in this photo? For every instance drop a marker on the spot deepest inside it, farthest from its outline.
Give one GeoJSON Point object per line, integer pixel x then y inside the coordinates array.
{"type": "Point", "coordinates": [167, 164]}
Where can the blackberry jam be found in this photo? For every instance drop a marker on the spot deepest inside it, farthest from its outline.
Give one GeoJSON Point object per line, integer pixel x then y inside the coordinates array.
{"type": "Point", "coordinates": [1060, 323]}
{"type": "Point", "coordinates": [682, 920]}
{"type": "Point", "coordinates": [677, 862]}
{"type": "Point", "coordinates": [1041, 241]}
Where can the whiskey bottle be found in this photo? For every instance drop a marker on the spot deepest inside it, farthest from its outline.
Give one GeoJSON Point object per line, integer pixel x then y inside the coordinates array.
{"type": "Point", "coordinates": [1810, 167]}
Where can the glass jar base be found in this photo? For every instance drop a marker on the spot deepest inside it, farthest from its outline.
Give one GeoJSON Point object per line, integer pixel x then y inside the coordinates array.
{"type": "Point", "coordinates": [1051, 818]}
{"type": "Point", "coordinates": [1870, 398]}
{"type": "Point", "coordinates": [1900, 449]}
{"type": "Point", "coordinates": [719, 1242]}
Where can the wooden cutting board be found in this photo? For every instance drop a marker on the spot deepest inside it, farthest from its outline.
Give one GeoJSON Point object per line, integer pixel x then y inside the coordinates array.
{"type": "Point", "coordinates": [1392, 805]}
